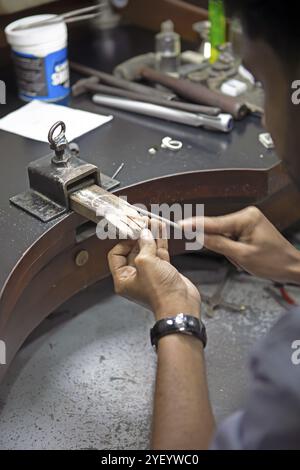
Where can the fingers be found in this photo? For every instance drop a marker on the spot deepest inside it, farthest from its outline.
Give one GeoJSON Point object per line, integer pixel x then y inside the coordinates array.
{"type": "Point", "coordinates": [151, 248]}
{"type": "Point", "coordinates": [133, 254]}
{"type": "Point", "coordinates": [225, 246]}
{"type": "Point", "coordinates": [231, 224]}
{"type": "Point", "coordinates": [235, 264]}
{"type": "Point", "coordinates": [117, 257]}
{"type": "Point", "coordinates": [160, 233]}
{"type": "Point", "coordinates": [121, 270]}
{"type": "Point", "coordinates": [192, 224]}
{"type": "Point", "coordinates": [147, 244]}
{"type": "Point", "coordinates": [125, 253]}
{"type": "Point", "coordinates": [163, 254]}
{"type": "Point", "coordinates": [226, 224]}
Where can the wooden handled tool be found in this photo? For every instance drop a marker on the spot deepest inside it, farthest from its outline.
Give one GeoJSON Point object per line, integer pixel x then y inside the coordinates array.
{"type": "Point", "coordinates": [113, 81]}
{"type": "Point", "coordinates": [196, 93]}
{"type": "Point", "coordinates": [95, 203]}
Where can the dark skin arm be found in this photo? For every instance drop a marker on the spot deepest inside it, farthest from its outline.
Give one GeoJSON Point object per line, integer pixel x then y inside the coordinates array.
{"type": "Point", "coordinates": [183, 418]}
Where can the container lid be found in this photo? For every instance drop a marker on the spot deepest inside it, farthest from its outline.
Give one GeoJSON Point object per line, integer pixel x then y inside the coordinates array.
{"type": "Point", "coordinates": [35, 35]}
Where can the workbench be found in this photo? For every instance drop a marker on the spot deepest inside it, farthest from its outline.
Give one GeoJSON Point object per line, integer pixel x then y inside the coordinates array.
{"type": "Point", "coordinates": [37, 271]}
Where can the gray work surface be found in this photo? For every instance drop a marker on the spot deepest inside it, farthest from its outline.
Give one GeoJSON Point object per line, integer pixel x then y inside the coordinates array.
{"type": "Point", "coordinates": [85, 378]}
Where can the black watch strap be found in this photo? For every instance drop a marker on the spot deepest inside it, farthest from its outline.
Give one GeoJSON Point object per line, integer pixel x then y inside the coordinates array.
{"type": "Point", "coordinates": [180, 324]}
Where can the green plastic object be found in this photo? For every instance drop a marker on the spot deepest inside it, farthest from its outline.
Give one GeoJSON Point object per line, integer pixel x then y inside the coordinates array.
{"type": "Point", "coordinates": [217, 18]}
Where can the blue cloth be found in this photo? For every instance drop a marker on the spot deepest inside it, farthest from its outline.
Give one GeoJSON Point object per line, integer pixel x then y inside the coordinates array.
{"type": "Point", "coordinates": [271, 418]}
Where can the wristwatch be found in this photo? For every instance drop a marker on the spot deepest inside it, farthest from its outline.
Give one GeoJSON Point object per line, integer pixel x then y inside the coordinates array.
{"type": "Point", "coordinates": [180, 324]}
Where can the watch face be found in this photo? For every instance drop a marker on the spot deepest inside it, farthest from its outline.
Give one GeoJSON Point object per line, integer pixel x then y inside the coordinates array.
{"type": "Point", "coordinates": [180, 319]}
{"type": "Point", "coordinates": [180, 324]}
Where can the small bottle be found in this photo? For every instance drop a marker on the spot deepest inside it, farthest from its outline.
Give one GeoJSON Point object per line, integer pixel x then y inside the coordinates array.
{"type": "Point", "coordinates": [168, 49]}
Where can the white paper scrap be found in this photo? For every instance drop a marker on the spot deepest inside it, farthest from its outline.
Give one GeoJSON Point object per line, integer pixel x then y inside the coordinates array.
{"type": "Point", "coordinates": [33, 120]}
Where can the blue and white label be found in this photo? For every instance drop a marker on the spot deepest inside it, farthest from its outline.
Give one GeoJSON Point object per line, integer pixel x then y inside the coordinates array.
{"type": "Point", "coordinates": [43, 78]}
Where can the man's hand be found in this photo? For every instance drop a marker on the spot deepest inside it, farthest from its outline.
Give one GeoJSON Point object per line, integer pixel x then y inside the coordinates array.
{"type": "Point", "coordinates": [142, 272]}
{"type": "Point", "coordinates": [182, 413]}
{"type": "Point", "coordinates": [251, 242]}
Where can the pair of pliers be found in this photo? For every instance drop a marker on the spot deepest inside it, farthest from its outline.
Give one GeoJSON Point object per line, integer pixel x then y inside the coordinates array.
{"type": "Point", "coordinates": [217, 301]}
{"type": "Point", "coordinates": [283, 298]}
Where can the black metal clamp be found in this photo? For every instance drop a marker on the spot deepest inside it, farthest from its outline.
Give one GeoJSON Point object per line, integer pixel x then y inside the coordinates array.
{"type": "Point", "coordinates": [54, 177]}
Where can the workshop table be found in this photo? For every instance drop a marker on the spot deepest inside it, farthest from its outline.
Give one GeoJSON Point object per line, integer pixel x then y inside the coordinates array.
{"type": "Point", "coordinates": [37, 269]}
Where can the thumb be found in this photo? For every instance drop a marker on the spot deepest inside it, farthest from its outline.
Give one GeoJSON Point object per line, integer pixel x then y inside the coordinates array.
{"type": "Point", "coordinates": [230, 224]}
{"type": "Point", "coordinates": [147, 244]}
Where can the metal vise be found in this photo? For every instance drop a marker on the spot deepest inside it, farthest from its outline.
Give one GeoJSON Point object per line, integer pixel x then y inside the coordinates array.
{"type": "Point", "coordinates": [54, 177]}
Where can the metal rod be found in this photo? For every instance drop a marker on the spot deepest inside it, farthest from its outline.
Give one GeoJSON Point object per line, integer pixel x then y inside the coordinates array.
{"type": "Point", "coordinates": [82, 18]}
{"type": "Point", "coordinates": [197, 93]}
{"type": "Point", "coordinates": [99, 88]}
{"type": "Point", "coordinates": [70, 17]}
{"type": "Point", "coordinates": [119, 82]}
{"type": "Point", "coordinates": [223, 122]}
{"type": "Point", "coordinates": [118, 171]}
{"type": "Point", "coordinates": [151, 215]}
{"type": "Point", "coordinates": [94, 200]}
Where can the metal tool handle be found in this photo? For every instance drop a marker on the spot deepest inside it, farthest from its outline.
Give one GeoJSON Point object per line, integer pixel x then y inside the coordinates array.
{"type": "Point", "coordinates": [118, 82]}
{"type": "Point", "coordinates": [223, 123]}
{"type": "Point", "coordinates": [90, 84]}
{"type": "Point", "coordinates": [197, 93]}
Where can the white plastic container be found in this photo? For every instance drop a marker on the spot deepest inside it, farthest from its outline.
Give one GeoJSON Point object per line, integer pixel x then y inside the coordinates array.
{"type": "Point", "coordinates": [41, 59]}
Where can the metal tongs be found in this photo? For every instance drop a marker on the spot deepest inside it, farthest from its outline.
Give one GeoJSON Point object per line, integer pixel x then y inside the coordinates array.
{"type": "Point", "coordinates": [70, 17]}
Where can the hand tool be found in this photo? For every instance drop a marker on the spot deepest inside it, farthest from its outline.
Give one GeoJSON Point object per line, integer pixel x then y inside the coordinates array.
{"type": "Point", "coordinates": [69, 17]}
{"type": "Point", "coordinates": [285, 295]}
{"type": "Point", "coordinates": [283, 298]}
{"type": "Point", "coordinates": [119, 82]}
{"type": "Point", "coordinates": [95, 203]}
{"type": "Point", "coordinates": [62, 181]}
{"type": "Point", "coordinates": [127, 69]}
{"type": "Point", "coordinates": [217, 300]}
{"type": "Point", "coordinates": [222, 122]}
{"type": "Point", "coordinates": [92, 84]}
{"type": "Point", "coordinates": [132, 68]}
{"type": "Point", "coordinates": [197, 93]}
{"type": "Point", "coordinates": [151, 215]}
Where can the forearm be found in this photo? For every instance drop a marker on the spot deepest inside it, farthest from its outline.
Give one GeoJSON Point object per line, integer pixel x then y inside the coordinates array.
{"type": "Point", "coordinates": [183, 417]}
